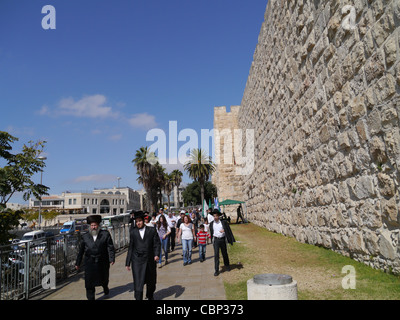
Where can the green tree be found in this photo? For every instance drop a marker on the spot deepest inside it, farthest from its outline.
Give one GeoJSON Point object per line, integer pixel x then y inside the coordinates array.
{"type": "Point", "coordinates": [177, 177]}
{"type": "Point", "coordinates": [168, 186]}
{"type": "Point", "coordinates": [145, 165]}
{"type": "Point", "coordinates": [192, 193]}
{"type": "Point", "coordinates": [159, 181]}
{"type": "Point", "coordinates": [200, 168]}
{"type": "Point", "coordinates": [16, 175]}
{"type": "Point", "coordinates": [177, 180]}
{"type": "Point", "coordinates": [9, 219]}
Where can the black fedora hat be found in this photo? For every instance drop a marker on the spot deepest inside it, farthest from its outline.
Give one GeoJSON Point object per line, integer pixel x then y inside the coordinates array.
{"type": "Point", "coordinates": [216, 211]}
{"type": "Point", "coordinates": [96, 218]}
{"type": "Point", "coordinates": [138, 214]}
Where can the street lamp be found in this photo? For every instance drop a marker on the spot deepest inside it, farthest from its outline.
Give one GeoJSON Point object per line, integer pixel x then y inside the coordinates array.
{"type": "Point", "coordinates": [119, 199]}
{"type": "Point", "coordinates": [41, 182]}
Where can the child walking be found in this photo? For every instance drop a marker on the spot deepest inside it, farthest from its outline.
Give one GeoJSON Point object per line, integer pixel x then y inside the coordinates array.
{"type": "Point", "coordinates": [202, 237]}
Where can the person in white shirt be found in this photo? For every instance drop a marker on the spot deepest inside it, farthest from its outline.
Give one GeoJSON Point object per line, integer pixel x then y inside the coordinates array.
{"type": "Point", "coordinates": [186, 233]}
{"type": "Point", "coordinates": [160, 213]}
{"type": "Point", "coordinates": [171, 220]}
{"type": "Point", "coordinates": [220, 233]}
{"type": "Point", "coordinates": [147, 222]}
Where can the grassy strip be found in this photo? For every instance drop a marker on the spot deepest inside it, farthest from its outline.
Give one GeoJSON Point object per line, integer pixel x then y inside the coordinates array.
{"type": "Point", "coordinates": [318, 271]}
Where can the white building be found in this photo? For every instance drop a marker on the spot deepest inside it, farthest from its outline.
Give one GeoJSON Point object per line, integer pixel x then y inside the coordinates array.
{"type": "Point", "coordinates": [108, 201]}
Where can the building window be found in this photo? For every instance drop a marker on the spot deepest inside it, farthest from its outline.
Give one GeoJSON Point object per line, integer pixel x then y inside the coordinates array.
{"type": "Point", "coordinates": [69, 201]}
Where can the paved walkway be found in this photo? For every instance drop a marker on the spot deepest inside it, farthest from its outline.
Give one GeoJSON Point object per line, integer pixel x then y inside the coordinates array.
{"type": "Point", "coordinates": [174, 281]}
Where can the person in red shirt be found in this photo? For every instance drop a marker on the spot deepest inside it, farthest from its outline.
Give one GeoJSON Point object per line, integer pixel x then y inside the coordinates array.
{"type": "Point", "coordinates": [202, 242]}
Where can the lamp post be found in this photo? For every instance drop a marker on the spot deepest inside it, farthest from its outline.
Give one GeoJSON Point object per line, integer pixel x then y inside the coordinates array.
{"type": "Point", "coordinates": [119, 198]}
{"type": "Point", "coordinates": [41, 182]}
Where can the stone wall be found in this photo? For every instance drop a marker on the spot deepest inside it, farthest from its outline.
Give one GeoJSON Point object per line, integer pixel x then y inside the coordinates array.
{"type": "Point", "coordinates": [227, 182]}
{"type": "Point", "coordinates": [323, 99]}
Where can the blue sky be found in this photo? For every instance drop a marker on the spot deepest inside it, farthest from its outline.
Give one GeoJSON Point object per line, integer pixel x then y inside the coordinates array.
{"type": "Point", "coordinates": [113, 70]}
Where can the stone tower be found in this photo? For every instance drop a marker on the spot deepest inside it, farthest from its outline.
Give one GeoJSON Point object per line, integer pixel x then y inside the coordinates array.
{"type": "Point", "coordinates": [226, 180]}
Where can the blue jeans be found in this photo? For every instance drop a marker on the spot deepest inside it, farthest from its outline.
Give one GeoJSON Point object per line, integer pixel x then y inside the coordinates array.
{"type": "Point", "coordinates": [187, 250]}
{"type": "Point", "coordinates": [164, 246]}
{"type": "Point", "coordinates": [202, 252]}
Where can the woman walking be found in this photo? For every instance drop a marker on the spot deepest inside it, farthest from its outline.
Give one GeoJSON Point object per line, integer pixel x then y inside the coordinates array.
{"type": "Point", "coordinates": [186, 233]}
{"type": "Point", "coordinates": [163, 231]}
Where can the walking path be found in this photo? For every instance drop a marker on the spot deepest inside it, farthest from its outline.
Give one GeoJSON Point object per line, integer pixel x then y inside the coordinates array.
{"type": "Point", "coordinates": [174, 281]}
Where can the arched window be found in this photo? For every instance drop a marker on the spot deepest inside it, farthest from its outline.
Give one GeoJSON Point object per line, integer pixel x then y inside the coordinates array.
{"type": "Point", "coordinates": [104, 206]}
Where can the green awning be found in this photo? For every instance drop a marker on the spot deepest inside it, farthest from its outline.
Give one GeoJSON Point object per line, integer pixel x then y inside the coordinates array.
{"type": "Point", "coordinates": [229, 201]}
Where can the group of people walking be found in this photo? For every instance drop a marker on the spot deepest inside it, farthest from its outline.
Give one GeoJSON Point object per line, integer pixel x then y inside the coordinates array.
{"type": "Point", "coordinates": [151, 239]}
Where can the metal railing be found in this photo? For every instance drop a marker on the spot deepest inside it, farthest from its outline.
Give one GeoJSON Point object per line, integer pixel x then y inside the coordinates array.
{"type": "Point", "coordinates": [22, 265]}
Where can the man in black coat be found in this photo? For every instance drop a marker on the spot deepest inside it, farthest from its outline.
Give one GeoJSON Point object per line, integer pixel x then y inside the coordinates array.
{"type": "Point", "coordinates": [220, 233]}
{"type": "Point", "coordinates": [143, 255]}
{"type": "Point", "coordinates": [97, 249]}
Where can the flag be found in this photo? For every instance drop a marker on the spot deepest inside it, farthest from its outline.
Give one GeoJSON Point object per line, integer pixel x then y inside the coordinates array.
{"type": "Point", "coordinates": [205, 208]}
{"type": "Point", "coordinates": [216, 205]}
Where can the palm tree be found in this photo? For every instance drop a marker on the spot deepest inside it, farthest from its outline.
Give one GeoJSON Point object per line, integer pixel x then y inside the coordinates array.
{"type": "Point", "coordinates": [159, 180]}
{"type": "Point", "coordinates": [177, 179]}
{"type": "Point", "coordinates": [144, 161]}
{"type": "Point", "coordinates": [200, 168]}
{"type": "Point", "coordinates": [168, 186]}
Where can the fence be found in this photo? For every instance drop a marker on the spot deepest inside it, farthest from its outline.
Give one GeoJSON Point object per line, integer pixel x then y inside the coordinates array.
{"type": "Point", "coordinates": [22, 264]}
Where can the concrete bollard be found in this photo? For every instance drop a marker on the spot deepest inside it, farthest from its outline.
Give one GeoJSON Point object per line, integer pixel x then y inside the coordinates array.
{"type": "Point", "coordinates": [271, 286]}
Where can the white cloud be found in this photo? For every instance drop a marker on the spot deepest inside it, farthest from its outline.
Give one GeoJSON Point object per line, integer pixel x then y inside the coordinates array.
{"type": "Point", "coordinates": [96, 178]}
{"type": "Point", "coordinates": [143, 121]}
{"type": "Point", "coordinates": [88, 107]}
{"type": "Point", "coordinates": [45, 110]}
{"type": "Point", "coordinates": [95, 106]}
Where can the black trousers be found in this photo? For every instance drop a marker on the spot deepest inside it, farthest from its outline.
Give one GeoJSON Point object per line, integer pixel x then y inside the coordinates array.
{"type": "Point", "coordinates": [171, 239]}
{"type": "Point", "coordinates": [149, 292]}
{"type": "Point", "coordinates": [150, 289]}
{"type": "Point", "coordinates": [90, 292]}
{"type": "Point", "coordinates": [220, 243]}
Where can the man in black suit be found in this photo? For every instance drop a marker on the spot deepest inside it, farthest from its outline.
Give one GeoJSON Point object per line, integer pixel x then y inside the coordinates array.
{"type": "Point", "coordinates": [143, 255]}
{"type": "Point", "coordinates": [220, 233]}
{"type": "Point", "coordinates": [98, 250]}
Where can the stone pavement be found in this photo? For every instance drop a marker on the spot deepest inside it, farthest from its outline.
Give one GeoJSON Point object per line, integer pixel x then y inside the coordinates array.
{"type": "Point", "coordinates": [174, 281]}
